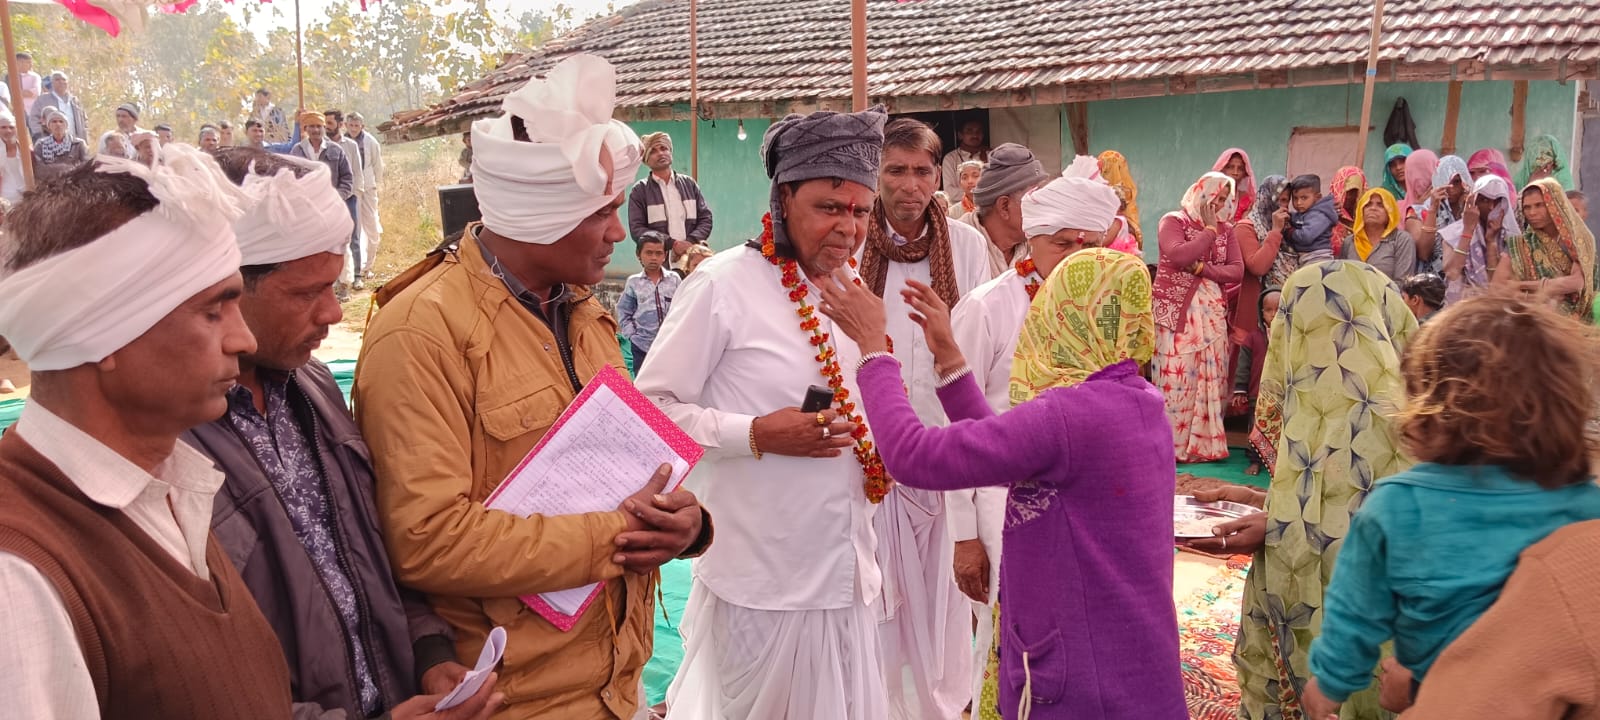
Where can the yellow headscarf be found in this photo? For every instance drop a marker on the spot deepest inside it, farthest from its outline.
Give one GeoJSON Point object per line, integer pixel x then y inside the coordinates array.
{"type": "Point", "coordinates": [1094, 311]}
{"type": "Point", "coordinates": [1114, 168]}
{"type": "Point", "coordinates": [1364, 244]}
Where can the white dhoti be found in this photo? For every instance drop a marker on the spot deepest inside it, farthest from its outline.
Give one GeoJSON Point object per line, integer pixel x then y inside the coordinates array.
{"type": "Point", "coordinates": [743, 664]}
{"type": "Point", "coordinates": [926, 625]}
{"type": "Point", "coordinates": [371, 226]}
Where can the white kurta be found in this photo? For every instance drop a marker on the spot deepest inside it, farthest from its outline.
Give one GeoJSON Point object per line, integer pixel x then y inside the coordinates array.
{"type": "Point", "coordinates": [778, 623]}
{"type": "Point", "coordinates": [987, 323]}
{"type": "Point", "coordinates": [926, 625]}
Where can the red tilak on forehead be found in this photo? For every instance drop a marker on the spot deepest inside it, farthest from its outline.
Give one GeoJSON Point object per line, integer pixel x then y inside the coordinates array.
{"type": "Point", "coordinates": [852, 208]}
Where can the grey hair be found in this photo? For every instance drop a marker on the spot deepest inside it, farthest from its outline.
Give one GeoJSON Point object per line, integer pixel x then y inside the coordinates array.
{"type": "Point", "coordinates": [356, 117]}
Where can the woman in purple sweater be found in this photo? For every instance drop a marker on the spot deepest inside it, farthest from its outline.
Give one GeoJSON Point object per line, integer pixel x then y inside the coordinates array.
{"type": "Point", "coordinates": [1087, 627]}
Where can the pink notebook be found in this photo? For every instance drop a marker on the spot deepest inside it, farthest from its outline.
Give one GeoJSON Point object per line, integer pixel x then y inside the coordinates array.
{"type": "Point", "coordinates": [602, 449]}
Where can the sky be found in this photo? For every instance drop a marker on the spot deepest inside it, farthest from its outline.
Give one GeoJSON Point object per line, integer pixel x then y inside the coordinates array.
{"type": "Point", "coordinates": [281, 12]}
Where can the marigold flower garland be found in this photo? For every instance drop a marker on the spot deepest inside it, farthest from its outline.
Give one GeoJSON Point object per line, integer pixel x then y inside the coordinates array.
{"type": "Point", "coordinates": [877, 481]}
{"type": "Point", "coordinates": [1030, 275]}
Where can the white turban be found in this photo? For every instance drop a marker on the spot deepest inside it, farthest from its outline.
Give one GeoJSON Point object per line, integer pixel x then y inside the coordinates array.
{"type": "Point", "coordinates": [538, 191]}
{"type": "Point", "coordinates": [1069, 202]}
{"type": "Point", "coordinates": [1084, 166]}
{"type": "Point", "coordinates": [86, 303]}
{"type": "Point", "coordinates": [290, 217]}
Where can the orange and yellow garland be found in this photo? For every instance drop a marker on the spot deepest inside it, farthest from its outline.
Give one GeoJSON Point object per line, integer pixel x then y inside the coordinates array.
{"type": "Point", "coordinates": [1030, 276]}
{"type": "Point", "coordinates": [877, 482]}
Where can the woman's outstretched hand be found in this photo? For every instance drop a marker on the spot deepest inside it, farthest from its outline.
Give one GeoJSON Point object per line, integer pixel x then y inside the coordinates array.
{"type": "Point", "coordinates": [855, 311]}
{"type": "Point", "coordinates": [929, 311]}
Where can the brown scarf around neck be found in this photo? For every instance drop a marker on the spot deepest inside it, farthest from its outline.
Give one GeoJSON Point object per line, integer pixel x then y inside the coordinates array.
{"type": "Point", "coordinates": [933, 245]}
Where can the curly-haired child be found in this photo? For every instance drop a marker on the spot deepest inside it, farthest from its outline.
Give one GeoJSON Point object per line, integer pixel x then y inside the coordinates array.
{"type": "Point", "coordinates": [1499, 398]}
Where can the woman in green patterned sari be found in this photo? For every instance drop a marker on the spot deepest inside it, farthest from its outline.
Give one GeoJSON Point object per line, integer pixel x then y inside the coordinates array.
{"type": "Point", "coordinates": [1554, 257]}
{"type": "Point", "coordinates": [1331, 374]}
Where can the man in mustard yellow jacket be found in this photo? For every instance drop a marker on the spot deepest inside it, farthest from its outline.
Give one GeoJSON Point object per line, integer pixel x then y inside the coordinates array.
{"type": "Point", "coordinates": [466, 367]}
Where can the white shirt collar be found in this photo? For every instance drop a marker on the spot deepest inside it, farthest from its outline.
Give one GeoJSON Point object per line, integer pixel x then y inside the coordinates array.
{"type": "Point", "coordinates": [103, 475]}
{"type": "Point", "coordinates": [898, 239]}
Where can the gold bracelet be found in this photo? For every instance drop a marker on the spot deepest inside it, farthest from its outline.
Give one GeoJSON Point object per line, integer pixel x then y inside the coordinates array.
{"type": "Point", "coordinates": [753, 449]}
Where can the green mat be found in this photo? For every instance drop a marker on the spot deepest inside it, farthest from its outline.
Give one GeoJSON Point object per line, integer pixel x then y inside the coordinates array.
{"type": "Point", "coordinates": [1230, 470]}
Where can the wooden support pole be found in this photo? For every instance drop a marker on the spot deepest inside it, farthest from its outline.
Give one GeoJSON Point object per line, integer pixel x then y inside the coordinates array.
{"type": "Point", "coordinates": [694, 90]}
{"type": "Point", "coordinates": [1078, 123]}
{"type": "Point", "coordinates": [1519, 119]}
{"type": "Point", "coordinates": [14, 79]}
{"type": "Point", "coordinates": [858, 54]}
{"type": "Point", "coordinates": [299, 66]}
{"type": "Point", "coordinates": [1370, 80]}
{"type": "Point", "coordinates": [1452, 112]}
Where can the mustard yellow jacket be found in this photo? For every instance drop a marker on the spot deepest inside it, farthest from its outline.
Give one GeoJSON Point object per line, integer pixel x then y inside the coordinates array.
{"type": "Point", "coordinates": [457, 381]}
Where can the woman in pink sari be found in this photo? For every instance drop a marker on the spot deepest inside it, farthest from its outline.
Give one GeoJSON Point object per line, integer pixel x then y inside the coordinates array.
{"type": "Point", "coordinates": [1489, 161]}
{"type": "Point", "coordinates": [1199, 257]}
{"type": "Point", "coordinates": [1235, 163]}
{"type": "Point", "coordinates": [1420, 166]}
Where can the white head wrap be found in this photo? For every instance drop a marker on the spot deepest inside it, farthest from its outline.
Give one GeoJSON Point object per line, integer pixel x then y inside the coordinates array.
{"type": "Point", "coordinates": [1070, 201]}
{"type": "Point", "coordinates": [538, 191]}
{"type": "Point", "coordinates": [1084, 166]}
{"type": "Point", "coordinates": [290, 217]}
{"type": "Point", "coordinates": [84, 304]}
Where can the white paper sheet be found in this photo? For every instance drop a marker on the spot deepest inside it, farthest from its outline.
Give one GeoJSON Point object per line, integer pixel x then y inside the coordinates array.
{"type": "Point", "coordinates": [493, 648]}
{"type": "Point", "coordinates": [600, 454]}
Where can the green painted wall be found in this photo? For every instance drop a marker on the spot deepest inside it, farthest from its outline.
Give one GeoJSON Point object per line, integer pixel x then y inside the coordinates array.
{"type": "Point", "coordinates": [1169, 141]}
{"type": "Point", "coordinates": [731, 176]}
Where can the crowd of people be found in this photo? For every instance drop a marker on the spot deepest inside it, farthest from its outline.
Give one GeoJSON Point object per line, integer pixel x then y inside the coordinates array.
{"type": "Point", "coordinates": [58, 128]}
{"type": "Point", "coordinates": [979, 519]}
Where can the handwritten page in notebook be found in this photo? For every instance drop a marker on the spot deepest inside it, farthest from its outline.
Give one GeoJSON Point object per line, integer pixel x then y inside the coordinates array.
{"type": "Point", "coordinates": [602, 449]}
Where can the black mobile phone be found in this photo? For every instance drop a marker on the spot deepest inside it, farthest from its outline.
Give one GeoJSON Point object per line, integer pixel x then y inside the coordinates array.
{"type": "Point", "coordinates": [818, 398]}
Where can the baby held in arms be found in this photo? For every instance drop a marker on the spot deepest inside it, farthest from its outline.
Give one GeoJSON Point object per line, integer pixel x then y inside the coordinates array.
{"type": "Point", "coordinates": [1431, 547]}
{"type": "Point", "coordinates": [1311, 223]}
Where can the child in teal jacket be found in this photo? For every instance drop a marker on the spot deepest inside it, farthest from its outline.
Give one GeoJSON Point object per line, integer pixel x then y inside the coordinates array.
{"type": "Point", "coordinates": [1499, 397]}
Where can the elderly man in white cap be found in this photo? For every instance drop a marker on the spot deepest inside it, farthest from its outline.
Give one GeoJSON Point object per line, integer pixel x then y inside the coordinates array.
{"type": "Point", "coordinates": [464, 370]}
{"type": "Point", "coordinates": [296, 510]}
{"type": "Point", "coordinates": [1064, 216]}
{"type": "Point", "coordinates": [780, 621]}
{"type": "Point", "coordinates": [118, 601]}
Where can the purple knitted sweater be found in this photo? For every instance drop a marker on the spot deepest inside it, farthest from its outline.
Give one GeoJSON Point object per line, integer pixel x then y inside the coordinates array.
{"type": "Point", "coordinates": [1086, 563]}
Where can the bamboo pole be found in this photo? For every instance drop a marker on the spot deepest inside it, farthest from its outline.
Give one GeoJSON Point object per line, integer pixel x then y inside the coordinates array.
{"type": "Point", "coordinates": [858, 54]}
{"type": "Point", "coordinates": [694, 90]}
{"type": "Point", "coordinates": [24, 139]}
{"type": "Point", "coordinates": [299, 66]}
{"type": "Point", "coordinates": [1371, 79]}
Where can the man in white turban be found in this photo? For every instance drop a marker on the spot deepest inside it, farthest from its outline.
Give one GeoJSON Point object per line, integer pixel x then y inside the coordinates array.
{"type": "Point", "coordinates": [466, 366]}
{"type": "Point", "coordinates": [121, 287]}
{"type": "Point", "coordinates": [1062, 217]}
{"type": "Point", "coordinates": [296, 507]}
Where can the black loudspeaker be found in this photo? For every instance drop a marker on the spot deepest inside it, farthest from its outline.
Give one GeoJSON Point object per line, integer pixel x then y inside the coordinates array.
{"type": "Point", "coordinates": [458, 205]}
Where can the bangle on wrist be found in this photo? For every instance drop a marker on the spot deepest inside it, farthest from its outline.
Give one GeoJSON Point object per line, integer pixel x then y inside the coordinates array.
{"type": "Point", "coordinates": [870, 357]}
{"type": "Point", "coordinates": [952, 376]}
{"type": "Point", "coordinates": [753, 449]}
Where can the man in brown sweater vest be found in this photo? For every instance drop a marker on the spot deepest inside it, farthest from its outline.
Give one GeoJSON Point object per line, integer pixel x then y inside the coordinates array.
{"type": "Point", "coordinates": [121, 290]}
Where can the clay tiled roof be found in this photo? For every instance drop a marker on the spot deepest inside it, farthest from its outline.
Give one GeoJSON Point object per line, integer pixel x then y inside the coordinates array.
{"type": "Point", "coordinates": [761, 58]}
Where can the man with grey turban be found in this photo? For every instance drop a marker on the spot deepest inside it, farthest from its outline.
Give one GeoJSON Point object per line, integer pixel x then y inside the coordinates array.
{"type": "Point", "coordinates": [464, 370]}
{"type": "Point", "coordinates": [780, 620]}
{"type": "Point", "coordinates": [1062, 217]}
{"type": "Point", "coordinates": [1012, 171]}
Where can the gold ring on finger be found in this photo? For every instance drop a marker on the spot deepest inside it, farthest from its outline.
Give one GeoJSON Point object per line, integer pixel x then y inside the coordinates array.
{"type": "Point", "coordinates": [822, 420]}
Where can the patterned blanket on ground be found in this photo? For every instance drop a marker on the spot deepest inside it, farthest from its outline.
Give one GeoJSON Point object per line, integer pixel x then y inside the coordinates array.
{"type": "Point", "coordinates": [1208, 593]}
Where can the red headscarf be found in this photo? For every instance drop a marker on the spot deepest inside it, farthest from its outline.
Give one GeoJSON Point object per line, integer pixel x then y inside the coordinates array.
{"type": "Point", "coordinates": [1348, 178]}
{"type": "Point", "coordinates": [1244, 190]}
